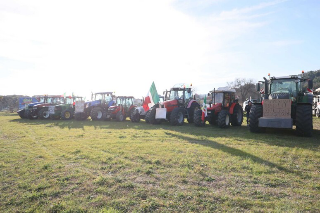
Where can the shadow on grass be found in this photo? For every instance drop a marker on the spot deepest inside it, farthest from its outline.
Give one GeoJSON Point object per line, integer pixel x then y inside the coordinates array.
{"type": "Point", "coordinates": [234, 152]}
{"type": "Point", "coordinates": [274, 137]}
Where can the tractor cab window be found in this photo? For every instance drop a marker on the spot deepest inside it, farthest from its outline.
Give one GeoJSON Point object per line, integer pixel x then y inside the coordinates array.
{"type": "Point", "coordinates": [108, 98]}
{"type": "Point", "coordinates": [99, 97]}
{"type": "Point", "coordinates": [42, 99]}
{"type": "Point", "coordinates": [119, 101]}
{"type": "Point", "coordinates": [188, 94]}
{"type": "Point", "coordinates": [69, 100]}
{"type": "Point", "coordinates": [218, 98]}
{"type": "Point", "coordinates": [129, 102]}
{"type": "Point", "coordinates": [284, 86]}
{"type": "Point", "coordinates": [176, 94]}
{"type": "Point", "coordinates": [50, 100]}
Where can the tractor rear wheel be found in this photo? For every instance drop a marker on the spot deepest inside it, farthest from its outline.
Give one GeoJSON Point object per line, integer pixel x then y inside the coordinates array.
{"type": "Point", "coordinates": [152, 117]}
{"type": "Point", "coordinates": [177, 116]}
{"type": "Point", "coordinates": [66, 114]}
{"type": "Point", "coordinates": [255, 113]}
{"type": "Point", "coordinates": [198, 118]}
{"type": "Point", "coordinates": [224, 119]}
{"type": "Point", "coordinates": [120, 117]}
{"type": "Point", "coordinates": [44, 114]}
{"type": "Point", "coordinates": [96, 114]}
{"type": "Point", "coordinates": [21, 113]}
{"type": "Point", "coordinates": [304, 124]}
{"type": "Point", "coordinates": [135, 115]}
{"type": "Point", "coordinates": [237, 116]}
{"type": "Point", "coordinates": [30, 116]}
{"type": "Point", "coordinates": [147, 117]}
{"type": "Point", "coordinates": [193, 108]}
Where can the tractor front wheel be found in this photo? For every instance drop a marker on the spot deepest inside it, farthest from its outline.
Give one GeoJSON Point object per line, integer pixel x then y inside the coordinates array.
{"type": "Point", "coordinates": [120, 117]}
{"type": "Point", "coordinates": [147, 117]}
{"type": "Point", "coordinates": [21, 113]}
{"type": "Point", "coordinates": [237, 116]}
{"type": "Point", "coordinates": [44, 114]}
{"type": "Point", "coordinates": [96, 114]}
{"type": "Point", "coordinates": [224, 119]}
{"type": "Point", "coordinates": [192, 110]}
{"type": "Point", "coordinates": [177, 116]}
{"type": "Point", "coordinates": [255, 113]}
{"type": "Point", "coordinates": [198, 118]}
{"type": "Point", "coordinates": [152, 117]}
{"type": "Point", "coordinates": [304, 124]}
{"type": "Point", "coordinates": [66, 114]}
{"type": "Point", "coordinates": [135, 115]}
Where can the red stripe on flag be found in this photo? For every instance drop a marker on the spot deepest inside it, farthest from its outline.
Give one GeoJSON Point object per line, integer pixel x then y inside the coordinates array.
{"type": "Point", "coordinates": [202, 117]}
{"type": "Point", "coordinates": [145, 103]}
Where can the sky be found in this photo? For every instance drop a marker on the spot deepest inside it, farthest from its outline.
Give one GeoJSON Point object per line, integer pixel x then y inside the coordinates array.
{"type": "Point", "coordinates": [65, 46]}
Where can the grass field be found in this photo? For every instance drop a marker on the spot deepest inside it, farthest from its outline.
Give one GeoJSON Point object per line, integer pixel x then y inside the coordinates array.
{"type": "Point", "coordinates": [74, 166]}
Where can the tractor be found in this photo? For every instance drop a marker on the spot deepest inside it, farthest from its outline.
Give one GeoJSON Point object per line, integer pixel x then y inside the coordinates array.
{"type": "Point", "coordinates": [65, 110]}
{"type": "Point", "coordinates": [180, 104]}
{"type": "Point", "coordinates": [123, 108]}
{"type": "Point", "coordinates": [24, 102]}
{"type": "Point", "coordinates": [41, 110]}
{"type": "Point", "coordinates": [287, 101]}
{"type": "Point", "coordinates": [224, 110]}
{"type": "Point", "coordinates": [140, 112]}
{"type": "Point", "coordinates": [99, 105]}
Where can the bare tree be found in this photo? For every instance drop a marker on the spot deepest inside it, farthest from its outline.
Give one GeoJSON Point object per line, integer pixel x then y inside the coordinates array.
{"type": "Point", "coordinates": [244, 88]}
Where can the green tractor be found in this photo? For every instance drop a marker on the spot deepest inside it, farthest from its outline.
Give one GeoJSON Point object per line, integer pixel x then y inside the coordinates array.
{"type": "Point", "coordinates": [286, 101]}
{"type": "Point", "coordinates": [65, 110]}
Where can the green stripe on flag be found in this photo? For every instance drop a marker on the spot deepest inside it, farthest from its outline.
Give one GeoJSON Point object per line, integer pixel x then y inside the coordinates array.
{"type": "Point", "coordinates": [154, 93]}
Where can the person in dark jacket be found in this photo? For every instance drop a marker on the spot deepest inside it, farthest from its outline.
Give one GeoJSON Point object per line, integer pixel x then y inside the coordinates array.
{"type": "Point", "coordinates": [248, 108]}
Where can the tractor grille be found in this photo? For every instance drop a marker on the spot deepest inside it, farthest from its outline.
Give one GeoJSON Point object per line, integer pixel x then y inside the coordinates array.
{"type": "Point", "coordinates": [280, 96]}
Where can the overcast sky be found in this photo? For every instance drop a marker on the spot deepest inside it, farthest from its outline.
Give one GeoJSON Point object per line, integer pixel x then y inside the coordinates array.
{"type": "Point", "coordinates": [53, 47]}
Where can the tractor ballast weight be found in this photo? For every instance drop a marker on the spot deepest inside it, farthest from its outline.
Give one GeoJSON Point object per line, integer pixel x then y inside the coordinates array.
{"type": "Point", "coordinates": [96, 108]}
{"type": "Point", "coordinates": [122, 109]}
{"type": "Point", "coordinates": [179, 104]}
{"type": "Point", "coordinates": [223, 111]}
{"type": "Point", "coordinates": [286, 102]}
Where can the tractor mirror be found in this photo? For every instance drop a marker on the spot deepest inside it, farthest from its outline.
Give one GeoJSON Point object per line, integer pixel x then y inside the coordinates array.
{"type": "Point", "coordinates": [209, 94]}
{"type": "Point", "coordinates": [189, 90]}
{"type": "Point", "coordinates": [310, 84]}
{"type": "Point", "coordinates": [258, 87]}
{"type": "Point", "coordinates": [164, 92]}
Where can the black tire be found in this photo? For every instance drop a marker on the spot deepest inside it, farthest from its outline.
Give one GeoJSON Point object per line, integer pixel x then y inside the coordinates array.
{"type": "Point", "coordinates": [256, 112]}
{"type": "Point", "coordinates": [80, 116]}
{"type": "Point", "coordinates": [31, 116]}
{"type": "Point", "coordinates": [193, 108]}
{"type": "Point", "coordinates": [147, 117]}
{"type": "Point", "coordinates": [96, 114]}
{"type": "Point", "coordinates": [224, 119]}
{"type": "Point", "coordinates": [66, 114]}
{"type": "Point", "coordinates": [21, 113]}
{"type": "Point", "coordinates": [135, 115]}
{"type": "Point", "coordinates": [44, 114]}
{"type": "Point", "coordinates": [304, 125]}
{"type": "Point", "coordinates": [177, 116]}
{"type": "Point", "coordinates": [237, 116]}
{"type": "Point", "coordinates": [317, 113]}
{"type": "Point", "coordinates": [120, 117]}
{"type": "Point", "coordinates": [198, 118]}
{"type": "Point", "coordinates": [152, 117]}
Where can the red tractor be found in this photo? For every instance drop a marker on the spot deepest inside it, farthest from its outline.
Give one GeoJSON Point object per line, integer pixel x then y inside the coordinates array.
{"type": "Point", "coordinates": [123, 108]}
{"type": "Point", "coordinates": [179, 104]}
{"type": "Point", "coordinates": [224, 110]}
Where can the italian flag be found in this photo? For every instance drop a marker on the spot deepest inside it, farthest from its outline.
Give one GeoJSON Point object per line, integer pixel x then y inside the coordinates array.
{"type": "Point", "coordinates": [204, 109]}
{"type": "Point", "coordinates": [152, 98]}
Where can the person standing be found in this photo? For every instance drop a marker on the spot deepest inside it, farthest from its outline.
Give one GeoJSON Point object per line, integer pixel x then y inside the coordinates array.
{"type": "Point", "coordinates": [248, 108]}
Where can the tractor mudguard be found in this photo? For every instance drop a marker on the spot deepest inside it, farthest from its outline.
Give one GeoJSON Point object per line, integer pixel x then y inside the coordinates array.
{"type": "Point", "coordinates": [192, 101]}
{"type": "Point", "coordinates": [231, 108]}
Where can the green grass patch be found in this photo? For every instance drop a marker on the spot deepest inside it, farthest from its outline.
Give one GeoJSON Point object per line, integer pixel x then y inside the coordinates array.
{"type": "Point", "coordinates": [86, 166]}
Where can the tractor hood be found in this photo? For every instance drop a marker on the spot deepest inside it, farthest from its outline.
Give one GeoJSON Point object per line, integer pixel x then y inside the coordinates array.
{"type": "Point", "coordinates": [112, 108]}
{"type": "Point", "coordinates": [170, 103]}
{"type": "Point", "coordinates": [93, 103]}
{"type": "Point", "coordinates": [33, 104]}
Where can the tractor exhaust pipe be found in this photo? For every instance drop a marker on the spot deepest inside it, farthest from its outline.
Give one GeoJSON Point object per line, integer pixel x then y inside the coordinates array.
{"type": "Point", "coordinates": [214, 96]}
{"type": "Point", "coordinates": [266, 88]}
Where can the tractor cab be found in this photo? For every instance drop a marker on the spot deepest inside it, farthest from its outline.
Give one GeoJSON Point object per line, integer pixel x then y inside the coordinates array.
{"type": "Point", "coordinates": [122, 109]}
{"type": "Point", "coordinates": [102, 98]}
{"type": "Point", "coordinates": [286, 101]}
{"type": "Point", "coordinates": [222, 97]}
{"type": "Point", "coordinates": [179, 94]}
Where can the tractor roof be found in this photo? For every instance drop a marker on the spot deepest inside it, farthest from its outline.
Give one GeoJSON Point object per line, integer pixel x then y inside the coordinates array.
{"type": "Point", "coordinates": [110, 93]}
{"type": "Point", "coordinates": [125, 97]}
{"type": "Point", "coordinates": [181, 86]}
{"type": "Point", "coordinates": [286, 77]}
{"type": "Point", "coordinates": [223, 89]}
